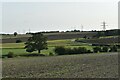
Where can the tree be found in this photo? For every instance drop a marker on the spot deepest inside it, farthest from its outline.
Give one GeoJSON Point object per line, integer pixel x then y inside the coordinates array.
{"type": "Point", "coordinates": [15, 33]}
{"type": "Point", "coordinates": [85, 37]}
{"type": "Point", "coordinates": [37, 42]}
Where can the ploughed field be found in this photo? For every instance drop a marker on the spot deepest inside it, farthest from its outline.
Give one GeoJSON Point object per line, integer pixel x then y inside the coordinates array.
{"type": "Point", "coordinates": [111, 40]}
{"type": "Point", "coordinates": [101, 65]}
{"type": "Point", "coordinates": [51, 36]}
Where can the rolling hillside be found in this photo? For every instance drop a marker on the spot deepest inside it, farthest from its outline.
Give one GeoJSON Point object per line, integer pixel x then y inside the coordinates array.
{"type": "Point", "coordinates": [54, 36]}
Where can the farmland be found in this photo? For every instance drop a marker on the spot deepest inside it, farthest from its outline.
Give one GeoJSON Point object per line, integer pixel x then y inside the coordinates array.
{"type": "Point", "coordinates": [103, 40]}
{"type": "Point", "coordinates": [102, 65]}
{"type": "Point", "coordinates": [94, 65]}
{"type": "Point", "coordinates": [48, 34]}
{"type": "Point", "coordinates": [51, 36]}
{"type": "Point", "coordinates": [66, 39]}
{"type": "Point", "coordinates": [18, 48]}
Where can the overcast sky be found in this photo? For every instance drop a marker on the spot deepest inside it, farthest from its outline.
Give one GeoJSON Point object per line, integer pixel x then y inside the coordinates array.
{"type": "Point", "coordinates": [47, 16]}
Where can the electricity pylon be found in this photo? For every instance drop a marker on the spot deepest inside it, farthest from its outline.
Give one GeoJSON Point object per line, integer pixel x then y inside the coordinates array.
{"type": "Point", "coordinates": [81, 27]}
{"type": "Point", "coordinates": [29, 30]}
{"type": "Point", "coordinates": [104, 25]}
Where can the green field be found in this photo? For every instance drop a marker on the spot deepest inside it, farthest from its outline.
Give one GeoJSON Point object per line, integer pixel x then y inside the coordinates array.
{"type": "Point", "coordinates": [20, 51]}
{"type": "Point", "coordinates": [18, 48]}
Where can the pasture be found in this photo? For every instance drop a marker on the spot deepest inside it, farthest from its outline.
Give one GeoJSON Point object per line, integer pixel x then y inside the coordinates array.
{"type": "Point", "coordinates": [18, 48]}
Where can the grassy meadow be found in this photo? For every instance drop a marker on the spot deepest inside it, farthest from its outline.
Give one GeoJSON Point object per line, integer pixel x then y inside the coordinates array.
{"type": "Point", "coordinates": [18, 48]}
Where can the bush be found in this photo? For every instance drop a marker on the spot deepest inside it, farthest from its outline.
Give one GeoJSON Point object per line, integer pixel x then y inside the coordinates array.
{"type": "Point", "coordinates": [51, 54]}
{"type": "Point", "coordinates": [29, 50]}
{"type": "Point", "coordinates": [68, 51]}
{"type": "Point", "coordinates": [89, 51]}
{"type": "Point", "coordinates": [105, 49]}
{"type": "Point", "coordinates": [33, 54]}
{"type": "Point", "coordinates": [18, 41]}
{"type": "Point", "coordinates": [97, 49]}
{"type": "Point", "coordinates": [118, 46]}
{"type": "Point", "coordinates": [10, 55]}
{"type": "Point", "coordinates": [78, 50]}
{"type": "Point", "coordinates": [113, 49]}
{"type": "Point", "coordinates": [77, 40]}
{"type": "Point", "coordinates": [75, 50]}
{"type": "Point", "coordinates": [60, 50]}
{"type": "Point", "coordinates": [82, 50]}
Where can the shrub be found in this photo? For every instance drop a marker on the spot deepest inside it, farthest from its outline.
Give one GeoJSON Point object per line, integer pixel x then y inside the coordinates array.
{"type": "Point", "coordinates": [18, 41]}
{"type": "Point", "coordinates": [76, 40]}
{"type": "Point", "coordinates": [76, 50]}
{"type": "Point", "coordinates": [82, 50]}
{"type": "Point", "coordinates": [69, 51]}
{"type": "Point", "coordinates": [10, 55]}
{"type": "Point", "coordinates": [79, 50]}
{"type": "Point", "coordinates": [95, 44]}
{"type": "Point", "coordinates": [33, 54]}
{"type": "Point", "coordinates": [113, 49]}
{"type": "Point", "coordinates": [51, 54]}
{"type": "Point", "coordinates": [60, 50]}
{"type": "Point", "coordinates": [29, 49]}
{"type": "Point", "coordinates": [97, 49]}
{"type": "Point", "coordinates": [89, 51]}
{"type": "Point", "coordinates": [85, 37]}
{"type": "Point", "coordinates": [105, 49]}
{"type": "Point", "coordinates": [118, 46]}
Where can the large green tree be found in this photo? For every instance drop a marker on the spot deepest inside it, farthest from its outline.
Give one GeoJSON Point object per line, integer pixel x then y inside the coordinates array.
{"type": "Point", "coordinates": [37, 42]}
